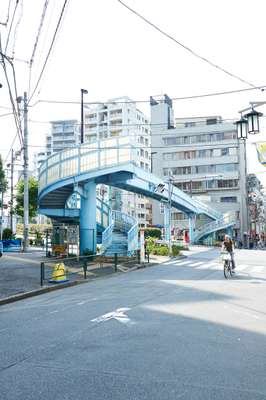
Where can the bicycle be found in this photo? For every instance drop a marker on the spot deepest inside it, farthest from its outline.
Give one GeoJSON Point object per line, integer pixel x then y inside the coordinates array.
{"type": "Point", "coordinates": [227, 261]}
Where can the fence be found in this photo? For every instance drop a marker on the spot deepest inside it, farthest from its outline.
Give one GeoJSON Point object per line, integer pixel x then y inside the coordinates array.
{"type": "Point", "coordinates": [85, 267]}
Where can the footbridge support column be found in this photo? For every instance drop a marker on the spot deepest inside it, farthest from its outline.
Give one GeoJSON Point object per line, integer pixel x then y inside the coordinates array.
{"type": "Point", "coordinates": [191, 224]}
{"type": "Point", "coordinates": [87, 223]}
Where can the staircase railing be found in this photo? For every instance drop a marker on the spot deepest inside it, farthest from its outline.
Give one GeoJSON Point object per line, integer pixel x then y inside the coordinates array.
{"type": "Point", "coordinates": [107, 237]}
{"type": "Point", "coordinates": [228, 219]}
{"type": "Point", "coordinates": [208, 210]}
{"type": "Point", "coordinates": [129, 225]}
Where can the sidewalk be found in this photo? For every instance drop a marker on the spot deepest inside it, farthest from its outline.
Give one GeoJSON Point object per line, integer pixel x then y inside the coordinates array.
{"type": "Point", "coordinates": [20, 272]}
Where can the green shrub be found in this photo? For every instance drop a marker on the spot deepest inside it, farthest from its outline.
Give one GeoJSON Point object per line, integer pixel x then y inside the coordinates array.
{"type": "Point", "coordinates": [161, 251]}
{"type": "Point", "coordinates": [176, 250]}
{"type": "Point", "coordinates": [152, 232]}
{"type": "Point", "coordinates": [7, 234]}
{"type": "Point", "coordinates": [150, 244]}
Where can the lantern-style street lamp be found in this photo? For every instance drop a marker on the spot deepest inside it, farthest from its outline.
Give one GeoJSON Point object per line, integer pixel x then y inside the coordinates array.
{"type": "Point", "coordinates": [253, 121]}
{"type": "Point", "coordinates": [242, 131]}
{"type": "Point", "coordinates": [249, 123]}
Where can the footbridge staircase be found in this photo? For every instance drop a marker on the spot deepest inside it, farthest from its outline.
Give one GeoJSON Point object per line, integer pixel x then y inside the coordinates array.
{"type": "Point", "coordinates": [78, 170]}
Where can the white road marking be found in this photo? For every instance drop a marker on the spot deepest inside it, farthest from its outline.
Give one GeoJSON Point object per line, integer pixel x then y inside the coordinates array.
{"type": "Point", "coordinates": [259, 268]}
{"type": "Point", "coordinates": [53, 312]}
{"type": "Point", "coordinates": [118, 315]}
{"type": "Point", "coordinates": [196, 263]}
{"type": "Point", "coordinates": [173, 262]}
{"type": "Point", "coordinates": [241, 267]}
{"type": "Point", "coordinates": [214, 266]}
{"type": "Point", "coordinates": [183, 263]}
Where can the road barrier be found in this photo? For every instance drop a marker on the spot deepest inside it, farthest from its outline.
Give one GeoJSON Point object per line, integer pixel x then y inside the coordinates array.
{"type": "Point", "coordinates": [84, 267]}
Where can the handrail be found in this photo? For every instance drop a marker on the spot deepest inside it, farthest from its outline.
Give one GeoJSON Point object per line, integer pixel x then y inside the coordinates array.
{"type": "Point", "coordinates": [128, 225]}
{"type": "Point", "coordinates": [227, 219]}
{"type": "Point", "coordinates": [107, 237]}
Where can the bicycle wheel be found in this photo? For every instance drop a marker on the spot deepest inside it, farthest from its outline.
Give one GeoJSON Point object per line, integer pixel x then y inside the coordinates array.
{"type": "Point", "coordinates": [231, 268]}
{"type": "Point", "coordinates": [227, 269]}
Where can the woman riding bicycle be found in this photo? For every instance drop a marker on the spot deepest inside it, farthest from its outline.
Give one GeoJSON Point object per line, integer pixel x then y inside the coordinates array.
{"type": "Point", "coordinates": [228, 246]}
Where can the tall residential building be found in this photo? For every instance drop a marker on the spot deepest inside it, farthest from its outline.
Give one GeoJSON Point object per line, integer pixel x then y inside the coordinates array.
{"type": "Point", "coordinates": [120, 117]}
{"type": "Point", "coordinates": [204, 158]}
{"type": "Point", "coordinates": [64, 134]}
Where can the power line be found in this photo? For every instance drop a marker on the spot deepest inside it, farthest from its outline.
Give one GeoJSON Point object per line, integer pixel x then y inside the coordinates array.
{"type": "Point", "coordinates": [11, 25]}
{"type": "Point", "coordinates": [8, 12]}
{"type": "Point", "coordinates": [219, 143]}
{"type": "Point", "coordinates": [16, 114]}
{"type": "Point", "coordinates": [46, 2]}
{"type": "Point", "coordinates": [16, 28]}
{"type": "Point", "coordinates": [50, 49]}
{"type": "Point", "coordinates": [5, 115]}
{"type": "Point", "coordinates": [185, 47]}
{"type": "Point", "coordinates": [73, 102]}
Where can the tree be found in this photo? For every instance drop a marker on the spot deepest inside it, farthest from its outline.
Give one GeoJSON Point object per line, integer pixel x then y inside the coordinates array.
{"type": "Point", "coordinates": [33, 197]}
{"type": "Point", "coordinates": [3, 181]}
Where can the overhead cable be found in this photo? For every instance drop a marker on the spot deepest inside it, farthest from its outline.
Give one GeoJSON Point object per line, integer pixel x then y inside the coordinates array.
{"type": "Point", "coordinates": [8, 13]}
{"type": "Point", "coordinates": [46, 2]}
{"type": "Point", "coordinates": [91, 103]}
{"type": "Point", "coordinates": [50, 49]}
{"type": "Point", "coordinates": [186, 47]}
{"type": "Point", "coordinates": [11, 24]}
{"type": "Point", "coordinates": [16, 28]}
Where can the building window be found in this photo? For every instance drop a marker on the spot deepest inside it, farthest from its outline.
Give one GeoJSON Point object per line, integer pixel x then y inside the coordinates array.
{"type": "Point", "coordinates": [211, 121]}
{"type": "Point", "coordinates": [225, 151]}
{"type": "Point", "coordinates": [189, 124]}
{"type": "Point", "coordinates": [228, 199]}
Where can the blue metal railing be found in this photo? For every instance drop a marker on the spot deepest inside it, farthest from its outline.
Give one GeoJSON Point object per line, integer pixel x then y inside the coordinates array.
{"type": "Point", "coordinates": [107, 237]}
{"type": "Point", "coordinates": [129, 225]}
{"type": "Point", "coordinates": [228, 219]}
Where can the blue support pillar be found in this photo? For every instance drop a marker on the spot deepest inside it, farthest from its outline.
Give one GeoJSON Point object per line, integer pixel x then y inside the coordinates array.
{"type": "Point", "coordinates": [229, 231]}
{"type": "Point", "coordinates": [191, 224]}
{"type": "Point", "coordinates": [87, 223]}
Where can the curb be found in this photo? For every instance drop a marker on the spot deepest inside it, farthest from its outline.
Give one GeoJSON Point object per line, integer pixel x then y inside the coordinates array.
{"type": "Point", "coordinates": [38, 292]}
{"type": "Point", "coordinates": [48, 289]}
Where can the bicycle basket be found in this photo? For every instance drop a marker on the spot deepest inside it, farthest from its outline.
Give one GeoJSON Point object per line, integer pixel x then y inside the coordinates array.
{"type": "Point", "coordinates": [226, 257]}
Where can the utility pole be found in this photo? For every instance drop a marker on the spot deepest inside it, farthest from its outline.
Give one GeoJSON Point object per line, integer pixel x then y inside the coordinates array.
{"type": "Point", "coordinates": [2, 211]}
{"type": "Point", "coordinates": [26, 177]}
{"type": "Point", "coordinates": [170, 191]}
{"type": "Point", "coordinates": [12, 191]}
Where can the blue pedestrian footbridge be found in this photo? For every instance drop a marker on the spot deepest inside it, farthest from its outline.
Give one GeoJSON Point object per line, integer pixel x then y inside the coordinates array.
{"type": "Point", "coordinates": [78, 170]}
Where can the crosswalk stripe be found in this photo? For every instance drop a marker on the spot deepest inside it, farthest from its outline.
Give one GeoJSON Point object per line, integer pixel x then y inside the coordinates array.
{"type": "Point", "coordinates": [214, 265]}
{"type": "Point", "coordinates": [184, 263]}
{"type": "Point", "coordinates": [173, 262]}
{"type": "Point", "coordinates": [259, 268]}
{"type": "Point", "coordinates": [241, 267]}
{"type": "Point", "coordinates": [196, 263]}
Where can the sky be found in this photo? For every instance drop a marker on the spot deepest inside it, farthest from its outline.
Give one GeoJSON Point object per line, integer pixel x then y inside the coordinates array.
{"type": "Point", "coordinates": [103, 47]}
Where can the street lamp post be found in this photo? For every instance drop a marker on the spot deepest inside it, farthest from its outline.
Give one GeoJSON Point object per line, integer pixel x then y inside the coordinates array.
{"type": "Point", "coordinates": [82, 92]}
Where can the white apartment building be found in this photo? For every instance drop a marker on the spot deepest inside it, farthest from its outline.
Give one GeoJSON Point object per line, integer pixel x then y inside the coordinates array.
{"type": "Point", "coordinates": [204, 158]}
{"type": "Point", "coordinates": [64, 134]}
{"type": "Point", "coordinates": [120, 117]}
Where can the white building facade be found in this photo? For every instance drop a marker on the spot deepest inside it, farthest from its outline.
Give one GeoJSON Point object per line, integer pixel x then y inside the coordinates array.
{"type": "Point", "coordinates": [204, 158]}
{"type": "Point", "coordinates": [120, 117]}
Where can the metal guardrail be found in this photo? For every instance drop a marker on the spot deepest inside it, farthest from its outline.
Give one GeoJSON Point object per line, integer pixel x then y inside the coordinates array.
{"type": "Point", "coordinates": [78, 268]}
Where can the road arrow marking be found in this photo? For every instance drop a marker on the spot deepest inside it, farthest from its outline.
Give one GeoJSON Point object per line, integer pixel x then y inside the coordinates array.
{"type": "Point", "coordinates": [118, 315]}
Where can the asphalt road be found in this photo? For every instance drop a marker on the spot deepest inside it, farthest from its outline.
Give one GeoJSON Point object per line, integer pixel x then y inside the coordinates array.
{"type": "Point", "coordinates": [175, 331]}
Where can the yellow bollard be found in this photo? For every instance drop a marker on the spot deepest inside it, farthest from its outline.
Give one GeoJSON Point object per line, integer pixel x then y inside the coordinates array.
{"type": "Point", "coordinates": [59, 274]}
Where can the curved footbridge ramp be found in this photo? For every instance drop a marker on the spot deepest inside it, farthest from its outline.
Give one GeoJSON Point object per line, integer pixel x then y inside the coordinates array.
{"type": "Point", "coordinates": [111, 162]}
